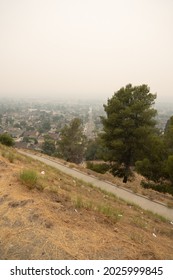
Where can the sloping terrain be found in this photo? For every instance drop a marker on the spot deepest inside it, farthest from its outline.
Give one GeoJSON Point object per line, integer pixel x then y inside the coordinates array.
{"type": "Point", "coordinates": [62, 218]}
{"type": "Point", "coordinates": [125, 194]}
{"type": "Point", "coordinates": [133, 185]}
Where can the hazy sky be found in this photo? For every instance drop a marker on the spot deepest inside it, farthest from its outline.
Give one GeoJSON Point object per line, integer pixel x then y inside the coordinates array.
{"type": "Point", "coordinates": [85, 48]}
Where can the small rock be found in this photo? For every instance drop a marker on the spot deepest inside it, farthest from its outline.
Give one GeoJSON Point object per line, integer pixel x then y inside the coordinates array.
{"type": "Point", "coordinates": [33, 217]}
{"type": "Point", "coordinates": [14, 204]}
{"type": "Point", "coordinates": [48, 224]}
{"type": "Point", "coordinates": [20, 203]}
{"type": "Point", "coordinates": [154, 235]}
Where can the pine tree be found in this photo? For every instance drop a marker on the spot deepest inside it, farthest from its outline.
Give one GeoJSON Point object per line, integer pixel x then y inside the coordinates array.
{"type": "Point", "coordinates": [129, 122]}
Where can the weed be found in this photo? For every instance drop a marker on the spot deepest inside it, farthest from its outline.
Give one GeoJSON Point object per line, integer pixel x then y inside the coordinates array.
{"type": "Point", "coordinates": [156, 216]}
{"type": "Point", "coordinates": [139, 222]}
{"type": "Point", "coordinates": [3, 153]}
{"type": "Point", "coordinates": [71, 165]}
{"type": "Point", "coordinates": [53, 189]}
{"type": "Point", "coordinates": [18, 157]}
{"type": "Point", "coordinates": [89, 205]}
{"type": "Point", "coordinates": [138, 238]}
{"type": "Point", "coordinates": [135, 189]}
{"type": "Point", "coordinates": [66, 188]}
{"type": "Point", "coordinates": [8, 154]}
{"type": "Point", "coordinates": [109, 194]}
{"type": "Point", "coordinates": [29, 178]}
{"type": "Point", "coordinates": [78, 203]}
{"type": "Point", "coordinates": [11, 157]}
{"type": "Point", "coordinates": [109, 212]}
{"type": "Point", "coordinates": [144, 192]}
{"type": "Point", "coordinates": [170, 204]}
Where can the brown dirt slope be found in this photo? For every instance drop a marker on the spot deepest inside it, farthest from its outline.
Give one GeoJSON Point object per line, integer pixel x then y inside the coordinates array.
{"type": "Point", "coordinates": [62, 218]}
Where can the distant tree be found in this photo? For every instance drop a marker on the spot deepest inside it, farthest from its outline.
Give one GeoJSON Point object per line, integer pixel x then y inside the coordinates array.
{"type": "Point", "coordinates": [30, 128]}
{"type": "Point", "coordinates": [17, 125]}
{"type": "Point", "coordinates": [57, 118]}
{"type": "Point", "coordinates": [35, 140]}
{"type": "Point", "coordinates": [128, 124]}
{"type": "Point", "coordinates": [91, 150]}
{"type": "Point", "coordinates": [26, 139]}
{"type": "Point", "coordinates": [46, 125]}
{"type": "Point", "coordinates": [9, 121]}
{"type": "Point", "coordinates": [48, 147]}
{"type": "Point", "coordinates": [6, 139]}
{"type": "Point", "coordinates": [72, 143]}
{"type": "Point", "coordinates": [23, 124]}
{"type": "Point", "coordinates": [95, 150]}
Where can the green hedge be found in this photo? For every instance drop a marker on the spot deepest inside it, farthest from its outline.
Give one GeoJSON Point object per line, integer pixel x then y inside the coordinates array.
{"type": "Point", "coordinates": [98, 167]}
{"type": "Point", "coordinates": [161, 187]}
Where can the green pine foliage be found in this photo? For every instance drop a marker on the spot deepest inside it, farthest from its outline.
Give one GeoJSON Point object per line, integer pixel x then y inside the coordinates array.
{"type": "Point", "coordinates": [128, 126]}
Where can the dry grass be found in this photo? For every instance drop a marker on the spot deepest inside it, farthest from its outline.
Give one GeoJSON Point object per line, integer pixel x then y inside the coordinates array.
{"type": "Point", "coordinates": [73, 220]}
{"type": "Point", "coordinates": [133, 185]}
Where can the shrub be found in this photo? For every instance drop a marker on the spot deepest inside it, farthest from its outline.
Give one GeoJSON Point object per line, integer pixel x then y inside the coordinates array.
{"type": "Point", "coordinates": [9, 155]}
{"type": "Point", "coordinates": [160, 187]}
{"type": "Point", "coordinates": [6, 139]}
{"type": "Point", "coordinates": [29, 178]}
{"type": "Point", "coordinates": [98, 167]}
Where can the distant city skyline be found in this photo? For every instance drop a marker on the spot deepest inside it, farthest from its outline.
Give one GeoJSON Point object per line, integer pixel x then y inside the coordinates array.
{"type": "Point", "coordinates": [85, 49]}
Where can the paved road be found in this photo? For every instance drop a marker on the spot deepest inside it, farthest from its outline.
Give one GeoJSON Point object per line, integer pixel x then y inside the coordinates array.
{"type": "Point", "coordinates": [120, 192]}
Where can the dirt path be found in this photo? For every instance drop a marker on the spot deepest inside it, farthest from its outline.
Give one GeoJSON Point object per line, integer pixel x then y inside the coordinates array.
{"type": "Point", "coordinates": [120, 192]}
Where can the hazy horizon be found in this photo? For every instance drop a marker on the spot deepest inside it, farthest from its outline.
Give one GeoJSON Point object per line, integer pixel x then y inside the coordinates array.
{"type": "Point", "coordinates": [85, 49]}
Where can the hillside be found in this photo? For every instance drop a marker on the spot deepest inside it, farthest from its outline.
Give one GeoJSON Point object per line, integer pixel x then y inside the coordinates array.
{"type": "Point", "coordinates": [63, 218]}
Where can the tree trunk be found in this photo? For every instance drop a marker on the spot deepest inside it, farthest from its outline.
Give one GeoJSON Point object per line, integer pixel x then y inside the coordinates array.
{"type": "Point", "coordinates": [125, 179]}
{"type": "Point", "coordinates": [127, 166]}
{"type": "Point", "coordinates": [126, 173]}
